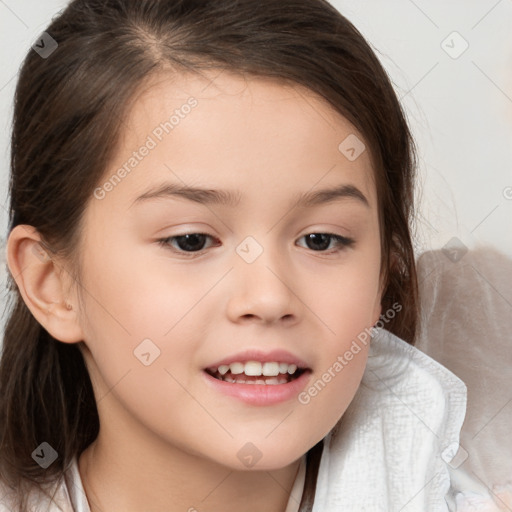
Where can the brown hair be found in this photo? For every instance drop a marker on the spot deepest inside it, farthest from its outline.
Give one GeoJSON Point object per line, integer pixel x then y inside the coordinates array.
{"type": "Point", "coordinates": [68, 116]}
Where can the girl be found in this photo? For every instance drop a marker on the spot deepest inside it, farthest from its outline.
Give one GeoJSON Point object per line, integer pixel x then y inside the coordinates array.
{"type": "Point", "coordinates": [267, 366]}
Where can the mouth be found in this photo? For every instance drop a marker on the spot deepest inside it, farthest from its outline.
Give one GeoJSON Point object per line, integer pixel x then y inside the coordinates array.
{"type": "Point", "coordinates": [255, 372]}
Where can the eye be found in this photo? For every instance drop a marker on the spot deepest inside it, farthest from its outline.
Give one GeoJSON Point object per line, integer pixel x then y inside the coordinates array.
{"type": "Point", "coordinates": [190, 243]}
{"type": "Point", "coordinates": [322, 241]}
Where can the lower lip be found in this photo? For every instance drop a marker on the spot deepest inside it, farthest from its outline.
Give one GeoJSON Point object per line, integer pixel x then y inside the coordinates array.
{"type": "Point", "coordinates": [260, 394]}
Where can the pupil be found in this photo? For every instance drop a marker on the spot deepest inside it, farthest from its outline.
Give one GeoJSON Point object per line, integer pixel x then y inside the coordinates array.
{"type": "Point", "coordinates": [317, 237]}
{"type": "Point", "coordinates": [187, 245]}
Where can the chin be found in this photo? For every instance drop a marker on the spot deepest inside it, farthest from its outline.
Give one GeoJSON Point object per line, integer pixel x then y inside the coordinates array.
{"type": "Point", "coordinates": [251, 458]}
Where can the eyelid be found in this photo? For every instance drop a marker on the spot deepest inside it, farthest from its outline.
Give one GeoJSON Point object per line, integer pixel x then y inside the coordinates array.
{"type": "Point", "coordinates": [342, 242]}
{"type": "Point", "coordinates": [164, 242]}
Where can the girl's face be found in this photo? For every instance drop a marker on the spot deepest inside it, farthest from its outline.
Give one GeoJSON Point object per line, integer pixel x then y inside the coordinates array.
{"type": "Point", "coordinates": [252, 277]}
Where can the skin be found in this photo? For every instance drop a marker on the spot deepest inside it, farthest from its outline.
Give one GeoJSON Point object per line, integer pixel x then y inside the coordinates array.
{"type": "Point", "coordinates": [167, 440]}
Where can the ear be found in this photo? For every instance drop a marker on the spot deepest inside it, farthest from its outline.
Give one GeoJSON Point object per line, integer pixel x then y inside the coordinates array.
{"type": "Point", "coordinates": [42, 283]}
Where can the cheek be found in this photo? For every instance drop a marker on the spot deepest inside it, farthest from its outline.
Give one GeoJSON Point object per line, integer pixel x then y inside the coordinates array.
{"type": "Point", "coordinates": [136, 307]}
{"type": "Point", "coordinates": [346, 309]}
{"type": "Point", "coordinates": [344, 300]}
{"type": "Point", "coordinates": [134, 316]}
{"type": "Point", "coordinates": [334, 385]}
{"type": "Point", "coordinates": [130, 293]}
{"type": "Point", "coordinates": [350, 367]}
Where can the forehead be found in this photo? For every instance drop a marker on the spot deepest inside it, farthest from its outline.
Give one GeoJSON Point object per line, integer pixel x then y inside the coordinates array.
{"type": "Point", "coordinates": [249, 128]}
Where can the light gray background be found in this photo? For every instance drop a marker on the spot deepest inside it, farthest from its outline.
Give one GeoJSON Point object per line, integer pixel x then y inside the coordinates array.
{"type": "Point", "coordinates": [459, 106]}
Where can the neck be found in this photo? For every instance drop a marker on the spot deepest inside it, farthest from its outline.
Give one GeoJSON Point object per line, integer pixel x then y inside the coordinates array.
{"type": "Point", "coordinates": [129, 481]}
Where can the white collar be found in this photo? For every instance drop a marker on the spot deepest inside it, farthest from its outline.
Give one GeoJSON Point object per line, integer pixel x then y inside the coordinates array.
{"type": "Point", "coordinates": [391, 448]}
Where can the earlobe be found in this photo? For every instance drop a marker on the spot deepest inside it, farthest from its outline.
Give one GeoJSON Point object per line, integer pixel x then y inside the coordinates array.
{"type": "Point", "coordinates": [41, 282]}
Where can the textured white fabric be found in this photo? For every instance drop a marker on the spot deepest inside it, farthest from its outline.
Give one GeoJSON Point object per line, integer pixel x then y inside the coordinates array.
{"type": "Point", "coordinates": [390, 449]}
{"type": "Point", "coordinates": [385, 454]}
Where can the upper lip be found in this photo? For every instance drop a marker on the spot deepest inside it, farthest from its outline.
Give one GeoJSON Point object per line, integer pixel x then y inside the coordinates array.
{"type": "Point", "coordinates": [280, 356]}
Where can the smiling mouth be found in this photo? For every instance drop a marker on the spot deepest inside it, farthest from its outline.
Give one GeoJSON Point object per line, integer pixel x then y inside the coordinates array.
{"type": "Point", "coordinates": [242, 378]}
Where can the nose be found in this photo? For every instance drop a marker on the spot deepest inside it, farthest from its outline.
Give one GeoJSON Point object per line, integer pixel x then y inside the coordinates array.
{"type": "Point", "coordinates": [262, 291]}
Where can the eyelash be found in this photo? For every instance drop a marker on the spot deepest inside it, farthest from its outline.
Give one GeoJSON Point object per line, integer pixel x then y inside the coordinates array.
{"type": "Point", "coordinates": [341, 241]}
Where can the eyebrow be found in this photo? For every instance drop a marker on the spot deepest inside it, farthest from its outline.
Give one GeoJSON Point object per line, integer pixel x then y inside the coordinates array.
{"type": "Point", "coordinates": [232, 199]}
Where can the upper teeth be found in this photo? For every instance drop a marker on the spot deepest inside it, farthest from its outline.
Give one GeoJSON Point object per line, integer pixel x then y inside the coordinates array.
{"type": "Point", "coordinates": [268, 369]}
